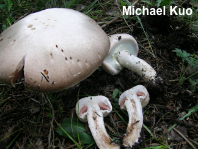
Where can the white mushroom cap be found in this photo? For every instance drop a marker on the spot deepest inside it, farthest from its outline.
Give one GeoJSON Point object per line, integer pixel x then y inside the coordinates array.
{"type": "Point", "coordinates": [123, 53]}
{"type": "Point", "coordinates": [101, 102]}
{"type": "Point", "coordinates": [144, 98]}
{"type": "Point", "coordinates": [133, 100]}
{"type": "Point", "coordinates": [119, 42]}
{"type": "Point", "coordinates": [53, 49]}
{"type": "Point", "coordinates": [92, 109]}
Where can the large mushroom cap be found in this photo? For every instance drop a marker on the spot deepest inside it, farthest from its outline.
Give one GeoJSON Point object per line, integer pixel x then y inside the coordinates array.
{"type": "Point", "coordinates": [53, 49]}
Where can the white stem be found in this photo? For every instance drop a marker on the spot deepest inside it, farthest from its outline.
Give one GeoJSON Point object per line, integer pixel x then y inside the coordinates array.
{"type": "Point", "coordinates": [137, 65]}
{"type": "Point", "coordinates": [96, 125]}
{"type": "Point", "coordinates": [134, 109]}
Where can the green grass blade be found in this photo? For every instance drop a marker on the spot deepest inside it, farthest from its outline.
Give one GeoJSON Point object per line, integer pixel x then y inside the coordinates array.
{"type": "Point", "coordinates": [89, 145]}
{"type": "Point", "coordinates": [14, 139]}
{"type": "Point", "coordinates": [68, 135]}
{"type": "Point", "coordinates": [35, 128]}
{"type": "Point", "coordinates": [127, 2]}
{"type": "Point", "coordinates": [89, 7]}
{"type": "Point", "coordinates": [148, 131]}
{"type": "Point", "coordinates": [192, 110]}
{"type": "Point", "coordinates": [119, 116]}
{"type": "Point", "coordinates": [70, 3]}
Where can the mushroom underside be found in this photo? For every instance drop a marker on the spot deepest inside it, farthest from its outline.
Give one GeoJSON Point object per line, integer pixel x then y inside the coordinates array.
{"type": "Point", "coordinates": [19, 72]}
{"type": "Point", "coordinates": [102, 106]}
{"type": "Point", "coordinates": [92, 110]}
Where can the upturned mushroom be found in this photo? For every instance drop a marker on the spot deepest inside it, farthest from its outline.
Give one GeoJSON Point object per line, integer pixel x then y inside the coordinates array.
{"type": "Point", "coordinates": [93, 109]}
{"type": "Point", "coordinates": [53, 50]}
{"type": "Point", "coordinates": [123, 53]}
{"type": "Point", "coordinates": [133, 100]}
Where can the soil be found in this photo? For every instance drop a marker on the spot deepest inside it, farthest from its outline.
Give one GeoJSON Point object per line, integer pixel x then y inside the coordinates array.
{"type": "Point", "coordinates": [168, 101]}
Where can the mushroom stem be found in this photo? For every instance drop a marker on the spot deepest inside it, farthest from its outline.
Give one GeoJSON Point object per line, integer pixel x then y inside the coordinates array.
{"type": "Point", "coordinates": [133, 100]}
{"type": "Point", "coordinates": [96, 125]}
{"type": "Point", "coordinates": [137, 65]}
{"type": "Point", "coordinates": [134, 109]}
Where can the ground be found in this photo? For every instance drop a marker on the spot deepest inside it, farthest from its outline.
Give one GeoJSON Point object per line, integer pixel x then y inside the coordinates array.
{"type": "Point", "coordinates": [31, 113]}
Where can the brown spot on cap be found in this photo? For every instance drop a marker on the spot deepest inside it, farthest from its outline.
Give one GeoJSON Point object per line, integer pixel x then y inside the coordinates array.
{"type": "Point", "coordinates": [29, 26]}
{"type": "Point", "coordinates": [45, 72]}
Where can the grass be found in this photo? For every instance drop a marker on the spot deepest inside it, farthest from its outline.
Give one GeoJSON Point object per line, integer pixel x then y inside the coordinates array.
{"type": "Point", "coordinates": [77, 144]}
{"type": "Point", "coordinates": [191, 61]}
{"type": "Point", "coordinates": [12, 10]}
{"type": "Point", "coordinates": [139, 20]}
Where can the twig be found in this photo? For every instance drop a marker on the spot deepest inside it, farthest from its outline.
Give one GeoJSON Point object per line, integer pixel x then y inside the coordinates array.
{"type": "Point", "coordinates": [116, 30]}
{"type": "Point", "coordinates": [111, 21]}
{"type": "Point", "coordinates": [184, 138]}
{"type": "Point", "coordinates": [112, 131]}
{"type": "Point", "coordinates": [14, 84]}
{"type": "Point", "coordinates": [71, 146]}
{"type": "Point", "coordinates": [147, 50]}
{"type": "Point", "coordinates": [45, 77]}
{"type": "Point", "coordinates": [4, 100]}
{"type": "Point", "coordinates": [194, 141]}
{"type": "Point", "coordinates": [113, 123]}
{"type": "Point", "coordinates": [181, 122]}
{"type": "Point", "coordinates": [165, 59]}
{"type": "Point", "coordinates": [34, 100]}
{"type": "Point", "coordinates": [173, 80]}
{"type": "Point", "coordinates": [123, 16]}
{"type": "Point", "coordinates": [134, 3]}
{"type": "Point", "coordinates": [3, 85]}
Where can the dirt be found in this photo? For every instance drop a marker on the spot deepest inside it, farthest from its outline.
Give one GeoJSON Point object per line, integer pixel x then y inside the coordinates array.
{"type": "Point", "coordinates": [168, 101]}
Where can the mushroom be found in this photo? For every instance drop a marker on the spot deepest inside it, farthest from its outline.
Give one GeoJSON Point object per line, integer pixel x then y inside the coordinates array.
{"type": "Point", "coordinates": [53, 50]}
{"type": "Point", "coordinates": [92, 109]}
{"type": "Point", "coordinates": [133, 100]}
{"type": "Point", "coordinates": [123, 53]}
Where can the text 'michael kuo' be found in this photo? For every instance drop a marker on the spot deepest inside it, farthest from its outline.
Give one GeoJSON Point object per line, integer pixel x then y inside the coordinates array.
{"type": "Point", "coordinates": [174, 10]}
